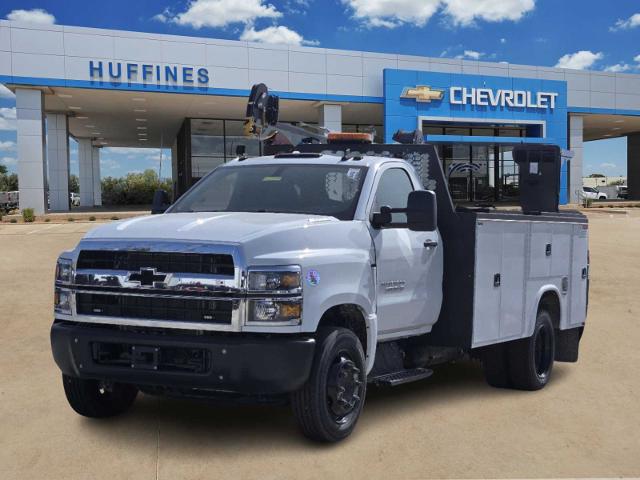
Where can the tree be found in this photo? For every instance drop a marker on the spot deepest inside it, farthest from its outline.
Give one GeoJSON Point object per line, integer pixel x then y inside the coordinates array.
{"type": "Point", "coordinates": [74, 184]}
{"type": "Point", "coordinates": [8, 183]}
{"type": "Point", "coordinates": [134, 189]}
{"type": "Point", "coordinates": [3, 170]}
{"type": "Point", "coordinates": [596, 175]}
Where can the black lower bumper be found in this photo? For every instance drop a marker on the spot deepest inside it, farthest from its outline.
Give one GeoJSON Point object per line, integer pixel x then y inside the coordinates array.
{"type": "Point", "coordinates": [244, 364]}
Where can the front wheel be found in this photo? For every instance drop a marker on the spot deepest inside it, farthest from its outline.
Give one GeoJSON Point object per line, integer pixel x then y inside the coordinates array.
{"type": "Point", "coordinates": [328, 406]}
{"type": "Point", "coordinates": [91, 398]}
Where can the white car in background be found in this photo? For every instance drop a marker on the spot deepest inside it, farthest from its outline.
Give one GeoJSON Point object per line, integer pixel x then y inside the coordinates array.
{"type": "Point", "coordinates": [75, 199]}
{"type": "Point", "coordinates": [594, 193]}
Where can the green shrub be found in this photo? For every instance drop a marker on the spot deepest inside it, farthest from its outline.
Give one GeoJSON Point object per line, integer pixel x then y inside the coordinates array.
{"type": "Point", "coordinates": [134, 189]}
{"type": "Point", "coordinates": [587, 202]}
{"type": "Point", "coordinates": [71, 219]}
{"type": "Point", "coordinates": [92, 218]}
{"type": "Point", "coordinates": [47, 220]}
{"type": "Point", "coordinates": [13, 220]}
{"type": "Point", "coordinates": [115, 218]}
{"type": "Point", "coordinates": [27, 215]}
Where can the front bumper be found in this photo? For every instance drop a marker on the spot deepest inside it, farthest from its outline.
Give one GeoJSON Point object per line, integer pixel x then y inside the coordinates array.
{"type": "Point", "coordinates": [239, 363]}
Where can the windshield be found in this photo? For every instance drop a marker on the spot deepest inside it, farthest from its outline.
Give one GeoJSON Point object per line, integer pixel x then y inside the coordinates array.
{"type": "Point", "coordinates": [311, 189]}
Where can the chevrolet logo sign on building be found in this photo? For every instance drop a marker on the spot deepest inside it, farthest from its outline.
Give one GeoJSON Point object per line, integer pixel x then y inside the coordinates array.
{"type": "Point", "coordinates": [422, 93]}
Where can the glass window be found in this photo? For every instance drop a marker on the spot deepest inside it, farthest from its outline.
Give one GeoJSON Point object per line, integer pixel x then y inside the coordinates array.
{"type": "Point", "coordinates": [393, 190]}
{"type": "Point", "coordinates": [331, 190]}
{"type": "Point", "coordinates": [483, 132]}
{"type": "Point", "coordinates": [430, 130]}
{"type": "Point", "coordinates": [456, 131]}
{"type": "Point", "coordinates": [234, 130]}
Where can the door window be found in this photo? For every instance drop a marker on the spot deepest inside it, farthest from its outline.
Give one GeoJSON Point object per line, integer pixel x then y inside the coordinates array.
{"type": "Point", "coordinates": [393, 190]}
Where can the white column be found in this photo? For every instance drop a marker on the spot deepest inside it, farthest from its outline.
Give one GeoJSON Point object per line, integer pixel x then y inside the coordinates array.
{"type": "Point", "coordinates": [576, 125]}
{"type": "Point", "coordinates": [32, 168]}
{"type": "Point", "coordinates": [58, 161]}
{"type": "Point", "coordinates": [97, 185]}
{"type": "Point", "coordinates": [330, 117]}
{"type": "Point", "coordinates": [174, 167]}
{"type": "Point", "coordinates": [85, 161]}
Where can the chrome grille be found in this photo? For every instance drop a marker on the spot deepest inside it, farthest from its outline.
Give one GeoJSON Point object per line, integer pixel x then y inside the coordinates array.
{"type": "Point", "coordinates": [167, 262]}
{"type": "Point", "coordinates": [218, 311]}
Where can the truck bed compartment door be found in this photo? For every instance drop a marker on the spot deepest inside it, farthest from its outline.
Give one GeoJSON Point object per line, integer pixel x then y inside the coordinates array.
{"type": "Point", "coordinates": [512, 300]}
{"type": "Point", "coordinates": [579, 276]}
{"type": "Point", "coordinates": [486, 308]}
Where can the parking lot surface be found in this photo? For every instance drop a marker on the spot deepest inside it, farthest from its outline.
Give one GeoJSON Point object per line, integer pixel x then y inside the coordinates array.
{"type": "Point", "coordinates": [585, 423]}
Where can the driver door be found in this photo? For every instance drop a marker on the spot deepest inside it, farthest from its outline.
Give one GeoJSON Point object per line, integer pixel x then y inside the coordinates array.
{"type": "Point", "coordinates": [408, 263]}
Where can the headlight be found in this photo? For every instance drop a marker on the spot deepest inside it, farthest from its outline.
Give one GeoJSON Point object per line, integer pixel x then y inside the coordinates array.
{"type": "Point", "coordinates": [275, 280]}
{"type": "Point", "coordinates": [62, 301]}
{"type": "Point", "coordinates": [269, 311]}
{"type": "Point", "coordinates": [64, 271]}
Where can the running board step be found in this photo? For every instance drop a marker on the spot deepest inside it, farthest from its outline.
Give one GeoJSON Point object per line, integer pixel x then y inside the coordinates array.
{"type": "Point", "coordinates": [403, 376]}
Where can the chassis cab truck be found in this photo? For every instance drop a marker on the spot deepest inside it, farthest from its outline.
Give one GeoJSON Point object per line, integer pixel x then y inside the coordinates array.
{"type": "Point", "coordinates": [308, 276]}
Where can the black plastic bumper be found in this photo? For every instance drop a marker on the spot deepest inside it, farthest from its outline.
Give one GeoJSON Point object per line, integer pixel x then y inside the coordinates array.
{"type": "Point", "coordinates": [245, 364]}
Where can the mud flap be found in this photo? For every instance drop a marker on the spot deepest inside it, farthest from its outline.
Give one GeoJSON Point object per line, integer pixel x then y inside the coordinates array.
{"type": "Point", "coordinates": [567, 344]}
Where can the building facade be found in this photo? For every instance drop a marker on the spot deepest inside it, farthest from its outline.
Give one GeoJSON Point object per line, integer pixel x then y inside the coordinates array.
{"type": "Point", "coordinates": [129, 89]}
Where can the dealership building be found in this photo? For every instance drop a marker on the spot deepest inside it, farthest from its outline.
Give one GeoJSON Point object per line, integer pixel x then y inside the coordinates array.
{"type": "Point", "coordinates": [188, 94]}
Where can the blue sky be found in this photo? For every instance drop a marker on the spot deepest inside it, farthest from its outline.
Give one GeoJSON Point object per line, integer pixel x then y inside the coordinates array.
{"type": "Point", "coordinates": [588, 34]}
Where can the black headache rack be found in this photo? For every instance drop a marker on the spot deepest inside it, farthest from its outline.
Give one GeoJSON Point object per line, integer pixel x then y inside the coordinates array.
{"type": "Point", "coordinates": [540, 184]}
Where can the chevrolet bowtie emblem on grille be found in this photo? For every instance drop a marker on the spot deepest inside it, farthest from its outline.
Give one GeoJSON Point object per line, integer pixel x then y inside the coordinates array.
{"type": "Point", "coordinates": [422, 93]}
{"type": "Point", "coordinates": [147, 277]}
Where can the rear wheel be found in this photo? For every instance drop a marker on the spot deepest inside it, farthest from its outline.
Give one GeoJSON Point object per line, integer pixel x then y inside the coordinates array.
{"type": "Point", "coordinates": [91, 398]}
{"type": "Point", "coordinates": [328, 406]}
{"type": "Point", "coordinates": [530, 360]}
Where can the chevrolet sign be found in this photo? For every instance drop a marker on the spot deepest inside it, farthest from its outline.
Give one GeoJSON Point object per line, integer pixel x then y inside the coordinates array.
{"type": "Point", "coordinates": [501, 98]}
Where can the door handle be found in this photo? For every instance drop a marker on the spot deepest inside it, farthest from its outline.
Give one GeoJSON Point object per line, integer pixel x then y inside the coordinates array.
{"type": "Point", "coordinates": [430, 243]}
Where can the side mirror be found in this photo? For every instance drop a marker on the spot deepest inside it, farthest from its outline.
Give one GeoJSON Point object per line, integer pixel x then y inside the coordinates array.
{"type": "Point", "coordinates": [160, 202]}
{"type": "Point", "coordinates": [381, 218]}
{"type": "Point", "coordinates": [422, 213]}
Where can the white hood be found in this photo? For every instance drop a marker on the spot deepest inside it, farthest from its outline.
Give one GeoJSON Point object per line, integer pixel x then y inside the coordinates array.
{"type": "Point", "coordinates": [227, 227]}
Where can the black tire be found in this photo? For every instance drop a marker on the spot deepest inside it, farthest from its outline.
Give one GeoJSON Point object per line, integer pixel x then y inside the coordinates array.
{"type": "Point", "coordinates": [602, 198]}
{"type": "Point", "coordinates": [494, 365]}
{"type": "Point", "coordinates": [89, 399]}
{"type": "Point", "coordinates": [530, 360]}
{"type": "Point", "coordinates": [323, 412]}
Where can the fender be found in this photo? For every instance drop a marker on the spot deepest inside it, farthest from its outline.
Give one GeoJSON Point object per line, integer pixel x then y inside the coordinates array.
{"type": "Point", "coordinates": [368, 313]}
{"type": "Point", "coordinates": [534, 311]}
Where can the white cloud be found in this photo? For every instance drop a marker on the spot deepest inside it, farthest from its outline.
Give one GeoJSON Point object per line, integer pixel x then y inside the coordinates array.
{"type": "Point", "coordinates": [8, 161]}
{"type": "Point", "coordinates": [8, 118]}
{"type": "Point", "coordinates": [631, 22]}
{"type": "Point", "coordinates": [279, 35]}
{"type": "Point", "coordinates": [579, 60]}
{"type": "Point", "coordinates": [219, 13]}
{"type": "Point", "coordinates": [8, 145]}
{"type": "Point", "coordinates": [636, 58]}
{"type": "Point", "coordinates": [6, 93]}
{"type": "Point", "coordinates": [393, 13]}
{"type": "Point", "coordinates": [36, 15]}
{"type": "Point", "coordinates": [465, 12]}
{"type": "Point", "coordinates": [618, 67]}
{"type": "Point", "coordinates": [503, 40]}
{"type": "Point", "coordinates": [608, 165]}
{"type": "Point", "coordinates": [472, 54]}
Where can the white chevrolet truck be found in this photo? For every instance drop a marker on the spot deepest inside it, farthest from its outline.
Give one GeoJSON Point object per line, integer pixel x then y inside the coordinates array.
{"type": "Point", "coordinates": [307, 276]}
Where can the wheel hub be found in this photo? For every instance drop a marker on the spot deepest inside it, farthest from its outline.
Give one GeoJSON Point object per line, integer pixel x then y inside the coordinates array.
{"type": "Point", "coordinates": [343, 387]}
